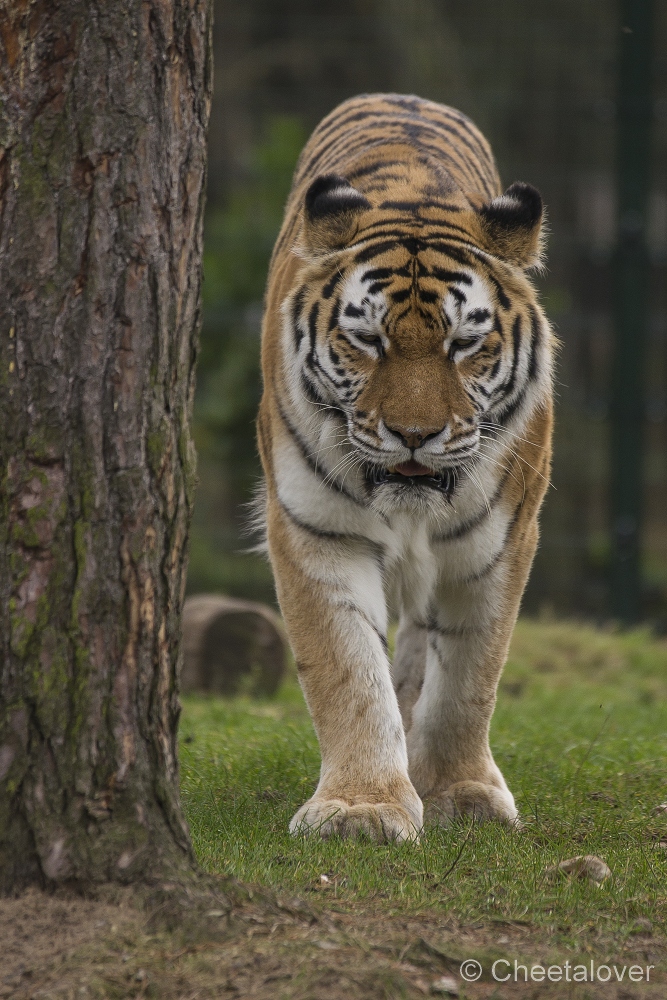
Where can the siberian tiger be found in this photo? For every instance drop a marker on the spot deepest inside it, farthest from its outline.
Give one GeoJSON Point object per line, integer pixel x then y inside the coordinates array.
{"type": "Point", "coordinates": [404, 432]}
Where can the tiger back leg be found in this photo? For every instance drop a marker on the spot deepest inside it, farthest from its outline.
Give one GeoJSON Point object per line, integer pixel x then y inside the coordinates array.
{"type": "Point", "coordinates": [408, 665]}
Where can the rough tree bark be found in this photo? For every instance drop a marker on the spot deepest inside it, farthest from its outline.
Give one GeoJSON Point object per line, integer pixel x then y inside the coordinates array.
{"type": "Point", "coordinates": [103, 112]}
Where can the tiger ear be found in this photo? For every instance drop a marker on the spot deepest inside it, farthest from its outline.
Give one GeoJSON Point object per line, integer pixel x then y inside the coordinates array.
{"type": "Point", "coordinates": [512, 224]}
{"type": "Point", "coordinates": [331, 211]}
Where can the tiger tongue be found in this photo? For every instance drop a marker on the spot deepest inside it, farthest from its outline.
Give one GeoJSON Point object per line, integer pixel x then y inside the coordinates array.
{"type": "Point", "coordinates": [413, 468]}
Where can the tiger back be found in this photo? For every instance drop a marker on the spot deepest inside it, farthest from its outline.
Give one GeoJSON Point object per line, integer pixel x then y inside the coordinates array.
{"type": "Point", "coordinates": [405, 432]}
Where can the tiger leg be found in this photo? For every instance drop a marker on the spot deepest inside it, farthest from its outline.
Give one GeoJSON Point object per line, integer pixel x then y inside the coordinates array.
{"type": "Point", "coordinates": [451, 764]}
{"type": "Point", "coordinates": [408, 666]}
{"type": "Point", "coordinates": [332, 600]}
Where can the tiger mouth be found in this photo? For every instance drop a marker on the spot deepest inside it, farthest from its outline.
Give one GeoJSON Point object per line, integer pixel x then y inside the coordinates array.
{"type": "Point", "coordinates": [412, 473]}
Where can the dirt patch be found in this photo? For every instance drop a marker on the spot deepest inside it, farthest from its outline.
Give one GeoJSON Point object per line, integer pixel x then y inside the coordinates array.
{"type": "Point", "coordinates": [264, 948]}
{"type": "Point", "coordinates": [40, 933]}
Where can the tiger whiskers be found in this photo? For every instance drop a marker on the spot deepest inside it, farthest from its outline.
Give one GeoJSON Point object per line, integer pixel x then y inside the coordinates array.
{"type": "Point", "coordinates": [496, 462]}
{"type": "Point", "coordinates": [477, 482]}
{"type": "Point", "coordinates": [347, 462]}
{"type": "Point", "coordinates": [486, 425]}
{"type": "Point", "coordinates": [519, 458]}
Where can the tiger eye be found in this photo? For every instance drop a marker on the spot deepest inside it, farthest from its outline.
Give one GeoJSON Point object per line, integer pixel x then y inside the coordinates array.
{"type": "Point", "coordinates": [372, 339]}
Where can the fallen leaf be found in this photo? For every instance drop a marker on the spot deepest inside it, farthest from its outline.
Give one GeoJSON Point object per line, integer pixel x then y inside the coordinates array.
{"type": "Point", "coordinates": [446, 985]}
{"type": "Point", "coordinates": [642, 925]}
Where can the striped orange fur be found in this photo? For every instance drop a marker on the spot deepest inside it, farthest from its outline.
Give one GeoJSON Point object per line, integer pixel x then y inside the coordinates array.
{"type": "Point", "coordinates": [405, 435]}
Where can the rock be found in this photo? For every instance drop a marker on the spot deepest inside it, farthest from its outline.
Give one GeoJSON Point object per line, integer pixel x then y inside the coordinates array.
{"type": "Point", "coordinates": [231, 646]}
{"type": "Point", "coordinates": [661, 809]}
{"type": "Point", "coordinates": [583, 866]}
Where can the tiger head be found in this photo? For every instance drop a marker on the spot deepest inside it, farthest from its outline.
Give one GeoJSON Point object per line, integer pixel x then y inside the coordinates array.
{"type": "Point", "coordinates": [420, 329]}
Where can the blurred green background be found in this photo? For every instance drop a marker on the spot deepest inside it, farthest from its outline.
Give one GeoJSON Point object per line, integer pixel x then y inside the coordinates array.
{"type": "Point", "coordinates": [540, 80]}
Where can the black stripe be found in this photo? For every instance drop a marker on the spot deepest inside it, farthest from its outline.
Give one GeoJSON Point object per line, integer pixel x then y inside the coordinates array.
{"type": "Point", "coordinates": [534, 338]}
{"type": "Point", "coordinates": [508, 387]}
{"type": "Point", "coordinates": [339, 122]}
{"type": "Point", "coordinates": [311, 391]}
{"type": "Point", "coordinates": [368, 253]}
{"type": "Point", "coordinates": [430, 229]}
{"type": "Point", "coordinates": [312, 324]}
{"type": "Point", "coordinates": [371, 168]}
{"type": "Point", "coordinates": [456, 253]}
{"type": "Point", "coordinates": [444, 275]}
{"type": "Point", "coordinates": [419, 134]}
{"type": "Point", "coordinates": [443, 113]}
{"type": "Point", "coordinates": [310, 460]}
{"type": "Point", "coordinates": [330, 286]}
{"type": "Point", "coordinates": [334, 536]}
{"type": "Point", "coordinates": [505, 414]}
{"type": "Point", "coordinates": [377, 286]}
{"type": "Point", "coordinates": [413, 207]}
{"type": "Point", "coordinates": [296, 316]}
{"type": "Point", "coordinates": [375, 549]}
{"type": "Point", "coordinates": [354, 311]}
{"type": "Point", "coordinates": [333, 318]}
{"type": "Point", "coordinates": [438, 117]}
{"type": "Point", "coordinates": [357, 141]}
{"type": "Point", "coordinates": [378, 274]}
{"type": "Point", "coordinates": [316, 369]}
{"type": "Point", "coordinates": [449, 631]}
{"type": "Point", "coordinates": [502, 298]}
{"type": "Point", "coordinates": [357, 610]}
{"type": "Point", "coordinates": [499, 555]}
{"type": "Point", "coordinates": [468, 526]}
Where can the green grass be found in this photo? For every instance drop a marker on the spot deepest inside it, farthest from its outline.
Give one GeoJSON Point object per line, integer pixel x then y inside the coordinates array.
{"type": "Point", "coordinates": [580, 732]}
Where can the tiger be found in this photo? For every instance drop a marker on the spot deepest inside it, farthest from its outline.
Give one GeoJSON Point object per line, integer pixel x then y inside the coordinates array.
{"type": "Point", "coordinates": [405, 436]}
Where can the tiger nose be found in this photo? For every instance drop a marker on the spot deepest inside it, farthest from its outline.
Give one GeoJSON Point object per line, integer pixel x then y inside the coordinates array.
{"type": "Point", "coordinates": [414, 437]}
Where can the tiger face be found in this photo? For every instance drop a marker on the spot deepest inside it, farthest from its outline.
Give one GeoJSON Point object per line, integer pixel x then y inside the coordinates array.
{"type": "Point", "coordinates": [425, 347]}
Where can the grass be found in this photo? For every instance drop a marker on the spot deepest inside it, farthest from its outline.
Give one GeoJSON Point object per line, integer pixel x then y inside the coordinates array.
{"type": "Point", "coordinates": [580, 732]}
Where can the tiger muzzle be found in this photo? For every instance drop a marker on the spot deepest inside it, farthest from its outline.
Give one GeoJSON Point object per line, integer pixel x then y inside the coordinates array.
{"type": "Point", "coordinates": [413, 474]}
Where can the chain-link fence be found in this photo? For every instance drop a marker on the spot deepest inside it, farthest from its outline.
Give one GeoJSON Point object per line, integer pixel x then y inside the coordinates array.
{"type": "Point", "coordinates": [541, 82]}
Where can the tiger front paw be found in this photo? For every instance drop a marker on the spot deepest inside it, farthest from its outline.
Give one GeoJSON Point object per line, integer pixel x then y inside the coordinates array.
{"type": "Point", "coordinates": [471, 798]}
{"type": "Point", "coordinates": [382, 822]}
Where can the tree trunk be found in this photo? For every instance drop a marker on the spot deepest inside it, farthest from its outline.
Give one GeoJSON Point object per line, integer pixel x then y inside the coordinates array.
{"type": "Point", "coordinates": [103, 112]}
